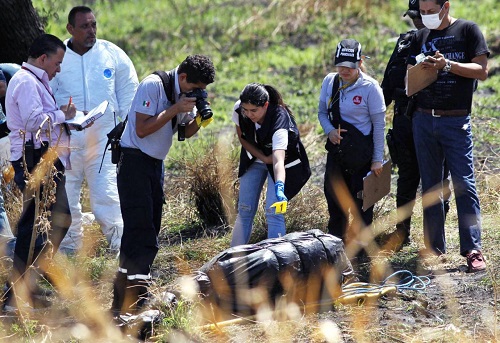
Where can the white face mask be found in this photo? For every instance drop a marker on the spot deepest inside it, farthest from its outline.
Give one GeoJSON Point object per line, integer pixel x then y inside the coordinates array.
{"type": "Point", "coordinates": [432, 21]}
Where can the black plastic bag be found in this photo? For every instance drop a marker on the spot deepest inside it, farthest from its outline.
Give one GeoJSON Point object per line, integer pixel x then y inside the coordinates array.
{"type": "Point", "coordinates": [295, 266]}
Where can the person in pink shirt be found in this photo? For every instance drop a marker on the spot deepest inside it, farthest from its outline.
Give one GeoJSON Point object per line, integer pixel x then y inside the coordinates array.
{"type": "Point", "coordinates": [37, 125]}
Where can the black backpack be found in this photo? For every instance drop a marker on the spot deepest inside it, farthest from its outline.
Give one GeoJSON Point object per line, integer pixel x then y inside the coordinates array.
{"type": "Point", "coordinates": [115, 135]}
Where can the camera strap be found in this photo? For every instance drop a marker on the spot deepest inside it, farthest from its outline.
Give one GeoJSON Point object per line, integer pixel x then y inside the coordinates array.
{"type": "Point", "coordinates": [168, 80]}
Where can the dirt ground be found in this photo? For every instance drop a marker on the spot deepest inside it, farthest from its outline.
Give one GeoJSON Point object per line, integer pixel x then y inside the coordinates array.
{"type": "Point", "coordinates": [454, 307]}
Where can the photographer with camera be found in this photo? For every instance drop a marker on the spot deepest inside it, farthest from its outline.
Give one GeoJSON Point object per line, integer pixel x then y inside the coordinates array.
{"type": "Point", "coordinates": [153, 119]}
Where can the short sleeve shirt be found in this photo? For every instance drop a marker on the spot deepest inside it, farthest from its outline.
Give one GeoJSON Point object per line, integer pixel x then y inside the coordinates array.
{"type": "Point", "coordinates": [460, 42]}
{"type": "Point", "coordinates": [149, 99]}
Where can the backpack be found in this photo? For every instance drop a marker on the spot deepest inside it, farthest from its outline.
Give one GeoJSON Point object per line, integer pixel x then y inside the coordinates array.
{"type": "Point", "coordinates": [114, 136]}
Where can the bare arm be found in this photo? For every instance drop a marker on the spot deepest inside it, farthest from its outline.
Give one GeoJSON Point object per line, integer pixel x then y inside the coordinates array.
{"type": "Point", "coordinates": [252, 149]}
{"type": "Point", "coordinates": [476, 69]}
{"type": "Point", "coordinates": [191, 128]}
{"type": "Point", "coordinates": [279, 165]}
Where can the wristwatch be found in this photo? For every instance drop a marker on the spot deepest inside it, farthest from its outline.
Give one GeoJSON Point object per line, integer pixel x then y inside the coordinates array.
{"type": "Point", "coordinates": [447, 66]}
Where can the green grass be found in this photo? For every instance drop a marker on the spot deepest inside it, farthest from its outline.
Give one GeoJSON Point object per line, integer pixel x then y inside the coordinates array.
{"type": "Point", "coordinates": [287, 43]}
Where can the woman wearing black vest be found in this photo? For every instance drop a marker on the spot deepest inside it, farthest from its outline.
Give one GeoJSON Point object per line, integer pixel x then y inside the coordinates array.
{"type": "Point", "coordinates": [271, 148]}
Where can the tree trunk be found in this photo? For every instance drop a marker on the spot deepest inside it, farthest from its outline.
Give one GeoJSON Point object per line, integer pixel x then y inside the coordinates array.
{"type": "Point", "coordinates": [19, 26]}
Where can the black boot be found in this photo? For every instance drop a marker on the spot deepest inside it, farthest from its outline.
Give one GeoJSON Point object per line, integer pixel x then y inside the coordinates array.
{"type": "Point", "coordinates": [119, 290]}
{"type": "Point", "coordinates": [403, 232]}
{"type": "Point", "coordinates": [137, 295]}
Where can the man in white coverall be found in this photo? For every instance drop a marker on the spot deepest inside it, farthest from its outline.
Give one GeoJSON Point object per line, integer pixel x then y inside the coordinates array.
{"type": "Point", "coordinates": [93, 70]}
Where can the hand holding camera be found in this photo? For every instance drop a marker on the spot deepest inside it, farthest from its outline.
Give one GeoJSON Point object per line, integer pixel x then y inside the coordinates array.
{"type": "Point", "coordinates": [202, 105]}
{"type": "Point", "coordinates": [185, 104]}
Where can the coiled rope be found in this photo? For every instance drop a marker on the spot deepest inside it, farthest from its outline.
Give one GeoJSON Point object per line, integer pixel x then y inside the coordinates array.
{"type": "Point", "coordinates": [359, 292]}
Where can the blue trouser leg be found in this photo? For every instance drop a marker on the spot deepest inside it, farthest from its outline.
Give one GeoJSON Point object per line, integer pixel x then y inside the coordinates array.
{"type": "Point", "coordinates": [7, 239]}
{"type": "Point", "coordinates": [450, 138]}
{"type": "Point", "coordinates": [251, 184]}
{"type": "Point", "coordinates": [275, 222]}
{"type": "Point", "coordinates": [457, 148]}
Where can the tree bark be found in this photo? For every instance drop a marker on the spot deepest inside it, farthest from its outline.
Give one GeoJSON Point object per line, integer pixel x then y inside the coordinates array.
{"type": "Point", "coordinates": [19, 26]}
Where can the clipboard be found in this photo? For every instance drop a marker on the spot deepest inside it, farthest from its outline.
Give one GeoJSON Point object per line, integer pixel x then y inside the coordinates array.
{"type": "Point", "coordinates": [81, 120]}
{"type": "Point", "coordinates": [417, 78]}
{"type": "Point", "coordinates": [376, 187]}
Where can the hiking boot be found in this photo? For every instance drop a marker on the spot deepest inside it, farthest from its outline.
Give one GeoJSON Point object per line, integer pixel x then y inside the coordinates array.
{"type": "Point", "coordinates": [403, 235]}
{"type": "Point", "coordinates": [42, 292]}
{"type": "Point", "coordinates": [475, 261]}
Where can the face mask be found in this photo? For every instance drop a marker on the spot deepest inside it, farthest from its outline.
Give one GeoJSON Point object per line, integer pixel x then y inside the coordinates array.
{"type": "Point", "coordinates": [432, 21]}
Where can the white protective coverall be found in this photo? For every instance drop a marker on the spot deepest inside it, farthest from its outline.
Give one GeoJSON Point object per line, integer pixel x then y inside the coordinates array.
{"type": "Point", "coordinates": [105, 72]}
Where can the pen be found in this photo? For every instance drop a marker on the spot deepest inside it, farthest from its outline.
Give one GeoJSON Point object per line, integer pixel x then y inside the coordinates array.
{"type": "Point", "coordinates": [70, 99]}
{"type": "Point", "coordinates": [338, 131]}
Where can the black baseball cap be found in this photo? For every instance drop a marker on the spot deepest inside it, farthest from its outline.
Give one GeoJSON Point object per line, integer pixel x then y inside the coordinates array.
{"type": "Point", "coordinates": [348, 54]}
{"type": "Point", "coordinates": [413, 9]}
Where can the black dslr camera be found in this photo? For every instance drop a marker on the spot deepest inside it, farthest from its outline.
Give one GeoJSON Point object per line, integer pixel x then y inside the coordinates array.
{"type": "Point", "coordinates": [202, 104]}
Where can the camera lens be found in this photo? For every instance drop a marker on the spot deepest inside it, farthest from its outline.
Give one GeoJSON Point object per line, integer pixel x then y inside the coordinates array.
{"type": "Point", "coordinates": [204, 108]}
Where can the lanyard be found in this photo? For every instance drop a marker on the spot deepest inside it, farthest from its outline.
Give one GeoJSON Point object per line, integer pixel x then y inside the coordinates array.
{"type": "Point", "coordinates": [66, 128]}
{"type": "Point", "coordinates": [334, 97]}
{"type": "Point", "coordinates": [39, 79]}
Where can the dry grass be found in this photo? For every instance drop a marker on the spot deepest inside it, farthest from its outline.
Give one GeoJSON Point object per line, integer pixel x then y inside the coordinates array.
{"type": "Point", "coordinates": [83, 283]}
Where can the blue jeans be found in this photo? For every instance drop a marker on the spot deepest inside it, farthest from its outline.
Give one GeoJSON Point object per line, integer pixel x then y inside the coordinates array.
{"type": "Point", "coordinates": [251, 184]}
{"type": "Point", "coordinates": [408, 173]}
{"type": "Point", "coordinates": [7, 239]}
{"type": "Point", "coordinates": [450, 138]}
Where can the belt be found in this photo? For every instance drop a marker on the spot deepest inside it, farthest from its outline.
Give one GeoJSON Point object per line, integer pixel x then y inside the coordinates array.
{"type": "Point", "coordinates": [444, 113]}
{"type": "Point", "coordinates": [137, 152]}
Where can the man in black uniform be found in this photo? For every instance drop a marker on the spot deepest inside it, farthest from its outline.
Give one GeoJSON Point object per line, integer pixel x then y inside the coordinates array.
{"type": "Point", "coordinates": [400, 137]}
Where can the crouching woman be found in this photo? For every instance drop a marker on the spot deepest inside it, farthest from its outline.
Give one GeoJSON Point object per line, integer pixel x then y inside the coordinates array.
{"type": "Point", "coordinates": [271, 149]}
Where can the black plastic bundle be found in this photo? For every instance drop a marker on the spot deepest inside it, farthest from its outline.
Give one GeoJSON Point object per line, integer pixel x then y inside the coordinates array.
{"type": "Point", "coordinates": [301, 267]}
